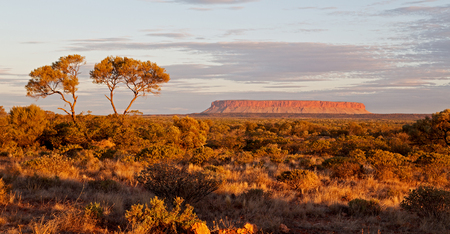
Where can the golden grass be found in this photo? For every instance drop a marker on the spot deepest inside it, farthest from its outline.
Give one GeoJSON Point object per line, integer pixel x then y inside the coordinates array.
{"type": "Point", "coordinates": [250, 193]}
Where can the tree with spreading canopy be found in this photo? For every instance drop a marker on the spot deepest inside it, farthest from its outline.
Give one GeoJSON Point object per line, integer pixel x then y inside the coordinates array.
{"type": "Point", "coordinates": [59, 78]}
{"type": "Point", "coordinates": [108, 72]}
{"type": "Point", "coordinates": [431, 131]}
{"type": "Point", "coordinates": [141, 77]}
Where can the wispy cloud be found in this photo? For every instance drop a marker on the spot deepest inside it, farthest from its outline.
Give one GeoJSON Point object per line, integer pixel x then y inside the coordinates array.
{"type": "Point", "coordinates": [234, 32]}
{"type": "Point", "coordinates": [418, 2]}
{"type": "Point", "coordinates": [170, 35]}
{"type": "Point", "coordinates": [109, 39]}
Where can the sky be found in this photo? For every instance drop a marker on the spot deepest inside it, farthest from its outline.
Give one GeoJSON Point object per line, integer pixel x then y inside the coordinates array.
{"type": "Point", "coordinates": [391, 55]}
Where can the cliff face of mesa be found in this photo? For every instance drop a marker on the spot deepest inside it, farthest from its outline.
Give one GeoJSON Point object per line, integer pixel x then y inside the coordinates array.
{"type": "Point", "coordinates": [286, 106]}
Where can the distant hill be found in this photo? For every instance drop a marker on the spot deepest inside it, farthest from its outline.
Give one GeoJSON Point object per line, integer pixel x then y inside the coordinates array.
{"type": "Point", "coordinates": [285, 106]}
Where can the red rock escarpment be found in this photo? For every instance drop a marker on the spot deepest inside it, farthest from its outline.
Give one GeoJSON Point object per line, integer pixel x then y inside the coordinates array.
{"type": "Point", "coordinates": [286, 106]}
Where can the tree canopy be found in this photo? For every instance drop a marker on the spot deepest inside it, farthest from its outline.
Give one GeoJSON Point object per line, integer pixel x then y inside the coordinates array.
{"type": "Point", "coordinates": [59, 78]}
{"type": "Point", "coordinates": [431, 132]}
{"type": "Point", "coordinates": [141, 77]}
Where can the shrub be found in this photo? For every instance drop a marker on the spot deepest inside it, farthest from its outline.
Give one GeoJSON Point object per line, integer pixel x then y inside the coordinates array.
{"type": "Point", "coordinates": [299, 179]}
{"type": "Point", "coordinates": [387, 164]}
{"type": "Point", "coordinates": [193, 132]}
{"type": "Point", "coordinates": [169, 181]}
{"type": "Point", "coordinates": [94, 210]}
{"type": "Point", "coordinates": [434, 166]}
{"type": "Point", "coordinates": [28, 123]}
{"type": "Point", "coordinates": [201, 155]}
{"type": "Point", "coordinates": [254, 194]}
{"type": "Point", "coordinates": [157, 219]}
{"type": "Point", "coordinates": [155, 153]}
{"type": "Point", "coordinates": [428, 202]}
{"type": "Point", "coordinates": [357, 155]}
{"type": "Point", "coordinates": [343, 167]}
{"type": "Point", "coordinates": [54, 164]}
{"type": "Point", "coordinates": [361, 207]}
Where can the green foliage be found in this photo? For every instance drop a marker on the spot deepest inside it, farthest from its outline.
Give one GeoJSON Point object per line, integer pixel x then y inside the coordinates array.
{"type": "Point", "coordinates": [61, 134]}
{"type": "Point", "coordinates": [345, 167]}
{"type": "Point", "coordinates": [387, 164]}
{"type": "Point", "coordinates": [59, 78]}
{"type": "Point", "coordinates": [320, 147]}
{"type": "Point", "coordinates": [361, 207]}
{"type": "Point", "coordinates": [335, 161]}
{"type": "Point", "coordinates": [94, 210]}
{"type": "Point", "coordinates": [27, 124]}
{"type": "Point", "coordinates": [201, 155]}
{"type": "Point", "coordinates": [158, 219]}
{"type": "Point", "coordinates": [299, 179]}
{"type": "Point", "coordinates": [273, 151]}
{"type": "Point", "coordinates": [431, 133]}
{"type": "Point", "coordinates": [428, 202]}
{"type": "Point", "coordinates": [155, 152]}
{"type": "Point", "coordinates": [357, 155]}
{"type": "Point", "coordinates": [254, 194]}
{"type": "Point", "coordinates": [169, 181]}
{"type": "Point", "coordinates": [193, 132]}
{"type": "Point", "coordinates": [434, 166]}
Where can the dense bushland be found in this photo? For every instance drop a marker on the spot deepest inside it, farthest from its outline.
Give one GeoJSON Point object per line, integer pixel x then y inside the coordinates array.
{"type": "Point", "coordinates": [102, 170]}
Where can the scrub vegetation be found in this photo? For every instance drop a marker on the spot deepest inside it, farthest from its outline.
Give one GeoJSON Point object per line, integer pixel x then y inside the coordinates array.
{"type": "Point", "coordinates": [140, 174]}
{"type": "Point", "coordinates": [128, 173]}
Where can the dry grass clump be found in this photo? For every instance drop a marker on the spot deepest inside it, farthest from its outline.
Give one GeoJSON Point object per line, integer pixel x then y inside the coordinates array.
{"type": "Point", "coordinates": [364, 207]}
{"type": "Point", "coordinates": [72, 220]}
{"type": "Point", "coordinates": [51, 165]}
{"type": "Point", "coordinates": [302, 180]}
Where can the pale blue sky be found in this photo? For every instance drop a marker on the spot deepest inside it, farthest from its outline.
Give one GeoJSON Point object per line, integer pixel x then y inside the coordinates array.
{"type": "Point", "coordinates": [393, 56]}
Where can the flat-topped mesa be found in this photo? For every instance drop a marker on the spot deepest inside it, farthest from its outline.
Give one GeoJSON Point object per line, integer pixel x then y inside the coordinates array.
{"type": "Point", "coordinates": [286, 106]}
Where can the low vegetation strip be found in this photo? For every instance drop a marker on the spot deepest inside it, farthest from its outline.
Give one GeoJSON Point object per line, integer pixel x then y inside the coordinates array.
{"type": "Point", "coordinates": [122, 174]}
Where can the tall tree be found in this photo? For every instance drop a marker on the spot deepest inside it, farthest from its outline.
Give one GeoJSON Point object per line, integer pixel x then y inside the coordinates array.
{"type": "Point", "coordinates": [108, 72]}
{"type": "Point", "coordinates": [431, 131]}
{"type": "Point", "coordinates": [59, 78]}
{"type": "Point", "coordinates": [140, 77]}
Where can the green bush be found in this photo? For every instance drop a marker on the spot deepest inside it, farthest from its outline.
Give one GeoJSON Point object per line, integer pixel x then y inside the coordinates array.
{"type": "Point", "coordinates": [299, 179]}
{"type": "Point", "coordinates": [428, 202]}
{"type": "Point", "coordinates": [169, 181]}
{"type": "Point", "coordinates": [94, 210]}
{"type": "Point", "coordinates": [361, 207]}
{"type": "Point", "coordinates": [343, 167]}
{"type": "Point", "coordinates": [387, 164]}
{"type": "Point", "coordinates": [157, 219]}
{"type": "Point", "coordinates": [28, 123]}
{"type": "Point", "coordinates": [201, 155]}
{"type": "Point", "coordinates": [155, 153]}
